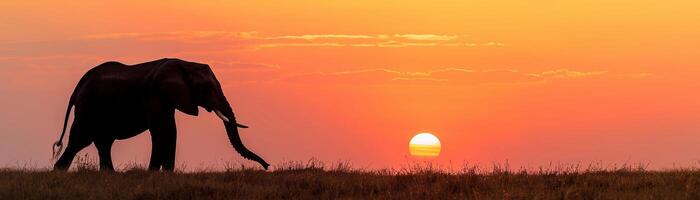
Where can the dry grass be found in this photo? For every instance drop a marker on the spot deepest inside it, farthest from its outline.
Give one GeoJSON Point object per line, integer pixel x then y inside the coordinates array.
{"type": "Point", "coordinates": [315, 180]}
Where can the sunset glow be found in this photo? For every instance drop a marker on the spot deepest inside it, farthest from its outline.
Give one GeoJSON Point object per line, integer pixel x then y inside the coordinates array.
{"type": "Point", "coordinates": [531, 82]}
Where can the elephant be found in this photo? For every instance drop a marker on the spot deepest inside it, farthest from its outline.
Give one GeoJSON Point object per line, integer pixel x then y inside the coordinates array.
{"type": "Point", "coordinates": [114, 101]}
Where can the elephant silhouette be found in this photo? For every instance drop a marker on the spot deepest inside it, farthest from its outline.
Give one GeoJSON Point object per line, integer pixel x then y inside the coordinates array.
{"type": "Point", "coordinates": [114, 101]}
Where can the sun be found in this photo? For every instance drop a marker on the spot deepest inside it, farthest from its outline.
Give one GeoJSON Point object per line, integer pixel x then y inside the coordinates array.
{"type": "Point", "coordinates": [424, 145]}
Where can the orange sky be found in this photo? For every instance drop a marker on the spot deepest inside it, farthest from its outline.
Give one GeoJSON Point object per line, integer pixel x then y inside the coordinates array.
{"type": "Point", "coordinates": [533, 83]}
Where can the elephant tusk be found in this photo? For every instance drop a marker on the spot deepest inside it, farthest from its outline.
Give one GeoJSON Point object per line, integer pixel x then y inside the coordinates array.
{"type": "Point", "coordinates": [221, 115]}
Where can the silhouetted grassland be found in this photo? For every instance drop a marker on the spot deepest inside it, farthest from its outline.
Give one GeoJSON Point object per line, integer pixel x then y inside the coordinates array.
{"type": "Point", "coordinates": [313, 180]}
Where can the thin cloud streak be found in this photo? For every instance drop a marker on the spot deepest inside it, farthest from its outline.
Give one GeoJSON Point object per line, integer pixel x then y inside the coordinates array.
{"type": "Point", "coordinates": [257, 41]}
{"type": "Point", "coordinates": [205, 42]}
{"type": "Point", "coordinates": [328, 36]}
{"type": "Point", "coordinates": [455, 76]}
{"type": "Point", "coordinates": [428, 37]}
{"type": "Point", "coordinates": [566, 73]}
{"type": "Point", "coordinates": [243, 66]}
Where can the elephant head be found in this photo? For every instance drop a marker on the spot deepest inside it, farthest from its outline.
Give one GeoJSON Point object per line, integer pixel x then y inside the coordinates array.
{"type": "Point", "coordinates": [190, 85]}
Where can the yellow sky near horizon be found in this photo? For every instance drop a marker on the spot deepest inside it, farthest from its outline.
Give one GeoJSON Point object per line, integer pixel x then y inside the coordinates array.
{"type": "Point", "coordinates": [531, 82]}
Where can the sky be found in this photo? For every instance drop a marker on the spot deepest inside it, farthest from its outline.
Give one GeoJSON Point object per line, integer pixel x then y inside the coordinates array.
{"type": "Point", "coordinates": [531, 83]}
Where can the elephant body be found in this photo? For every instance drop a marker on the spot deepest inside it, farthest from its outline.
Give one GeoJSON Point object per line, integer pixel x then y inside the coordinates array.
{"type": "Point", "coordinates": [114, 101]}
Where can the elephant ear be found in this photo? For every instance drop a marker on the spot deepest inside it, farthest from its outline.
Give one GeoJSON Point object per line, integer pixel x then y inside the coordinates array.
{"type": "Point", "coordinates": [175, 85]}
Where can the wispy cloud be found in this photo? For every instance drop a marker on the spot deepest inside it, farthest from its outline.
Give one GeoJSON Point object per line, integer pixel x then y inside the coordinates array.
{"type": "Point", "coordinates": [176, 35]}
{"type": "Point", "coordinates": [204, 43]}
{"type": "Point", "coordinates": [454, 75]}
{"type": "Point", "coordinates": [566, 73]}
{"type": "Point", "coordinates": [424, 37]}
{"type": "Point", "coordinates": [327, 36]}
{"type": "Point", "coordinates": [255, 40]}
{"type": "Point", "coordinates": [363, 40]}
{"type": "Point", "coordinates": [366, 76]}
{"type": "Point", "coordinates": [242, 66]}
{"type": "Point", "coordinates": [428, 37]}
{"type": "Point", "coordinates": [274, 45]}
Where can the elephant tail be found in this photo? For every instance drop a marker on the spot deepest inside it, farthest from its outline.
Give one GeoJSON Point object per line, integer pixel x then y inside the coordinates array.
{"type": "Point", "coordinates": [58, 145]}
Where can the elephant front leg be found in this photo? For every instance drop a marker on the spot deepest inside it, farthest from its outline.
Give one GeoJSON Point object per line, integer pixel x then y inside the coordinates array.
{"type": "Point", "coordinates": [163, 138]}
{"type": "Point", "coordinates": [156, 160]}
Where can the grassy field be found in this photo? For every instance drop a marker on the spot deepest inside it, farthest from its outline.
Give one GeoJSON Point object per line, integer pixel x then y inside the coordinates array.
{"type": "Point", "coordinates": [312, 180]}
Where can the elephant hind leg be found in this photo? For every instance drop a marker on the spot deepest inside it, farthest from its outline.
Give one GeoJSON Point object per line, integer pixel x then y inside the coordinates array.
{"type": "Point", "coordinates": [104, 149]}
{"type": "Point", "coordinates": [76, 143]}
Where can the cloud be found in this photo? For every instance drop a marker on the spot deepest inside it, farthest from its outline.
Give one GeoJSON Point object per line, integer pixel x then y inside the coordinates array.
{"type": "Point", "coordinates": [465, 76]}
{"type": "Point", "coordinates": [366, 76]}
{"type": "Point", "coordinates": [363, 40]}
{"type": "Point", "coordinates": [242, 66]}
{"type": "Point", "coordinates": [327, 36]}
{"type": "Point", "coordinates": [138, 45]}
{"type": "Point", "coordinates": [386, 44]}
{"type": "Point", "coordinates": [426, 37]}
{"type": "Point", "coordinates": [177, 35]}
{"type": "Point", "coordinates": [453, 76]}
{"type": "Point", "coordinates": [488, 44]}
{"type": "Point", "coordinates": [253, 40]}
{"type": "Point", "coordinates": [566, 73]}
{"type": "Point", "coordinates": [429, 37]}
{"type": "Point", "coordinates": [395, 44]}
{"type": "Point", "coordinates": [274, 45]}
{"type": "Point", "coordinates": [465, 44]}
{"type": "Point", "coordinates": [418, 80]}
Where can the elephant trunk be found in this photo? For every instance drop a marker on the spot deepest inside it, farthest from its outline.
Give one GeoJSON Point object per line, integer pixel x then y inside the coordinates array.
{"type": "Point", "coordinates": [226, 114]}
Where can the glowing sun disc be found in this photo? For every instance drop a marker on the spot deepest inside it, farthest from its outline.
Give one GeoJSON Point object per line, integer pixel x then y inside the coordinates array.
{"type": "Point", "coordinates": [424, 145]}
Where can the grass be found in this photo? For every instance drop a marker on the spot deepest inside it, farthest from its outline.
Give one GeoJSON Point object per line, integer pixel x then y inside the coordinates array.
{"type": "Point", "coordinates": [316, 180]}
